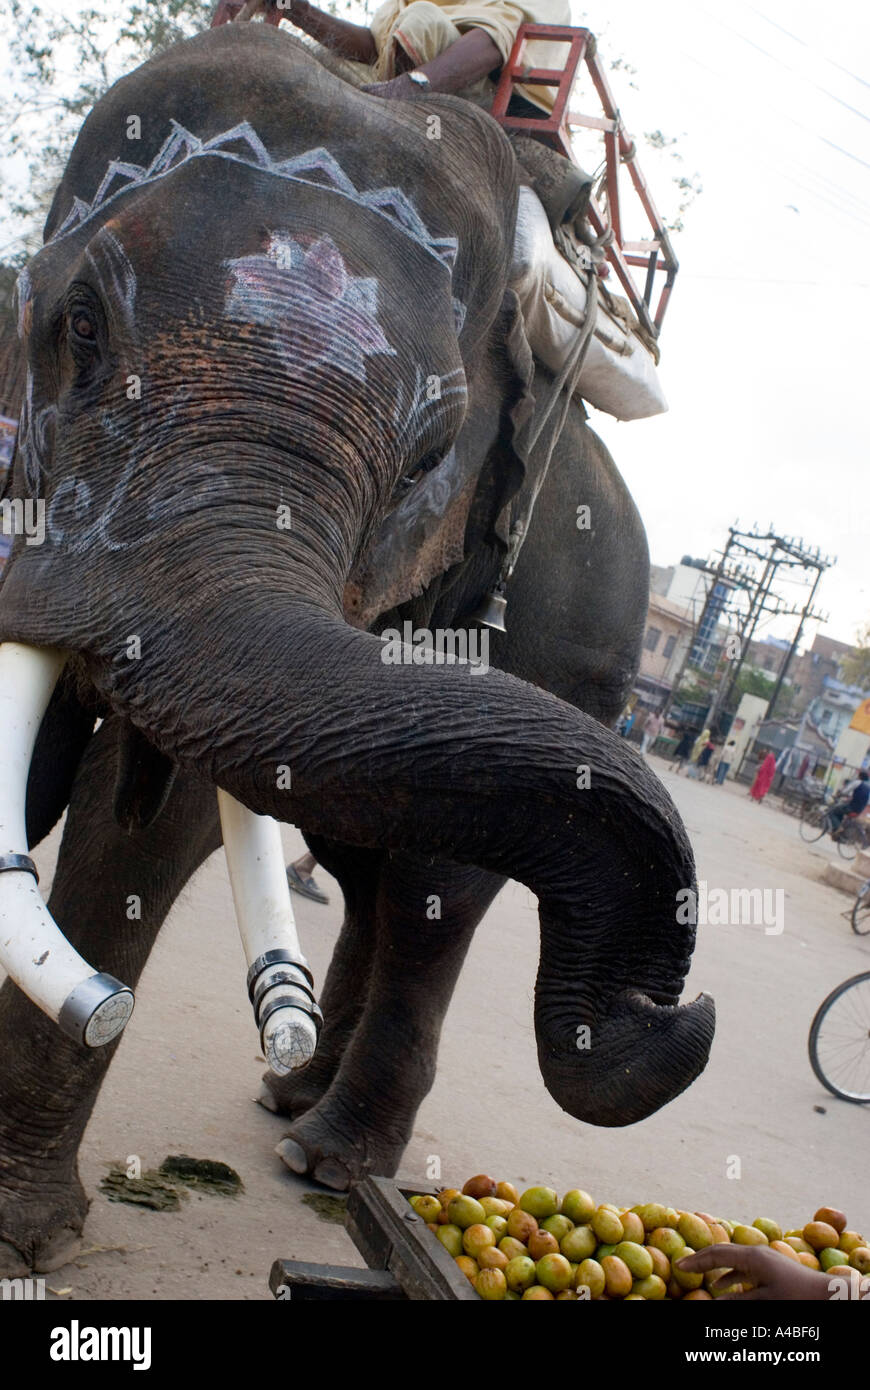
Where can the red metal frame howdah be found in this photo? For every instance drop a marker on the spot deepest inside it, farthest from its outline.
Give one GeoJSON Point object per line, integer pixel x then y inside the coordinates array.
{"type": "Point", "coordinates": [653, 254]}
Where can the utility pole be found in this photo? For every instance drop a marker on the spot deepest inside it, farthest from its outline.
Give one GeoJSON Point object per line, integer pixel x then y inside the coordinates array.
{"type": "Point", "coordinates": [717, 577]}
{"type": "Point", "coordinates": [775, 551]}
{"type": "Point", "coordinates": [755, 609]}
{"type": "Point", "coordinates": [822, 564]}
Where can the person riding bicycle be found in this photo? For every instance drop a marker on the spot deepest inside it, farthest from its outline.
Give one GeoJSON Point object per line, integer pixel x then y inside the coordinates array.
{"type": "Point", "coordinates": [854, 806]}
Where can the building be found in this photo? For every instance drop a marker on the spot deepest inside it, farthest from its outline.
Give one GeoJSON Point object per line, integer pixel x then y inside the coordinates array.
{"type": "Point", "coordinates": [831, 711]}
{"type": "Point", "coordinates": [688, 585]}
{"type": "Point", "coordinates": [809, 671]}
{"type": "Point", "coordinates": [669, 632]}
{"type": "Point", "coordinates": [768, 656]}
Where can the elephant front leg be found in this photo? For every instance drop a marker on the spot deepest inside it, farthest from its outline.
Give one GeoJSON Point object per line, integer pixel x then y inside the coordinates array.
{"type": "Point", "coordinates": [427, 911]}
{"type": "Point", "coordinates": [48, 1084]}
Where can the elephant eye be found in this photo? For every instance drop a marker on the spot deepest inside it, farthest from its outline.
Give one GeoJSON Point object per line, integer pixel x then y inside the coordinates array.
{"type": "Point", "coordinates": [83, 328]}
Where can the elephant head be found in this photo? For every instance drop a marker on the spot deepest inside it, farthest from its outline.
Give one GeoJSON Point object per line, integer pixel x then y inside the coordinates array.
{"type": "Point", "coordinates": [256, 312]}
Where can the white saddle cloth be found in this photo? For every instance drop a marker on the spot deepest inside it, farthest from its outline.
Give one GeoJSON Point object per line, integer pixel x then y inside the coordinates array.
{"type": "Point", "coordinates": [619, 375]}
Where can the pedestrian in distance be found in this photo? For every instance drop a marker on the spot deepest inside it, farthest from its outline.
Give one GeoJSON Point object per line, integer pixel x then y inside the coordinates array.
{"type": "Point", "coordinates": [682, 750]}
{"type": "Point", "coordinates": [704, 764]}
{"type": "Point", "coordinates": [763, 778]}
{"type": "Point", "coordinates": [651, 730]}
{"type": "Point", "coordinates": [726, 758]}
{"type": "Point", "coordinates": [626, 723]}
{"type": "Point", "coordinates": [697, 749]}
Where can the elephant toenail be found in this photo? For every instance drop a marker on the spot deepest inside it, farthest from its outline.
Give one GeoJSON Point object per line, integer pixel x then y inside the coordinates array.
{"type": "Point", "coordinates": [293, 1155]}
{"type": "Point", "coordinates": [332, 1174]}
{"type": "Point", "coordinates": [266, 1099]}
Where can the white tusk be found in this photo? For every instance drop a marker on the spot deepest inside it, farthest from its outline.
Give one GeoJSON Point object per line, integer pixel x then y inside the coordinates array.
{"type": "Point", "coordinates": [280, 983]}
{"type": "Point", "coordinates": [92, 1008]}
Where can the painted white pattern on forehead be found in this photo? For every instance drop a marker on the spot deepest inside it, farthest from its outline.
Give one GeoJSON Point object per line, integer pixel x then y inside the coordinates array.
{"type": "Point", "coordinates": [22, 296]}
{"type": "Point", "coordinates": [114, 271]}
{"type": "Point", "coordinates": [318, 310]}
{"type": "Point", "coordinates": [316, 168]}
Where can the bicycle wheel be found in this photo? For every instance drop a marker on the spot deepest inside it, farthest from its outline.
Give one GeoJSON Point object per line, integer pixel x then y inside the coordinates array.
{"type": "Point", "coordinates": [846, 845]}
{"type": "Point", "coordinates": [813, 825]}
{"type": "Point", "coordinates": [839, 1041]}
{"type": "Point", "coordinates": [861, 911]}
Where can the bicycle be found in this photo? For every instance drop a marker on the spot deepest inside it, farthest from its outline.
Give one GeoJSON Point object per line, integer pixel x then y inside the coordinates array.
{"type": "Point", "coordinates": [839, 1040]}
{"type": "Point", "coordinates": [798, 797]}
{"type": "Point", "coordinates": [815, 822]}
{"type": "Point", "coordinates": [860, 914]}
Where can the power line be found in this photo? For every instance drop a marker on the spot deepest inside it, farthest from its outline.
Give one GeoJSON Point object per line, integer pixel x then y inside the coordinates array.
{"type": "Point", "coordinates": [847, 153]}
{"type": "Point", "coordinates": [787, 66]}
{"type": "Point", "coordinates": [779, 115]}
{"type": "Point", "coordinates": [826, 200]}
{"type": "Point", "coordinates": [728, 82]}
{"type": "Point", "coordinates": [749, 280]}
{"type": "Point", "coordinates": [835, 189]}
{"type": "Point", "coordinates": [803, 43]}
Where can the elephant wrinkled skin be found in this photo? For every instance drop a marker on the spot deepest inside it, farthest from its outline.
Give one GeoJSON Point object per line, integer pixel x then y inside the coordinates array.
{"type": "Point", "coordinates": [232, 335]}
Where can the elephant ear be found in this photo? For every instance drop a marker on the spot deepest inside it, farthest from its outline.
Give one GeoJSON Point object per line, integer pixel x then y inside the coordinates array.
{"type": "Point", "coordinates": [459, 503]}
{"type": "Point", "coordinates": [509, 465]}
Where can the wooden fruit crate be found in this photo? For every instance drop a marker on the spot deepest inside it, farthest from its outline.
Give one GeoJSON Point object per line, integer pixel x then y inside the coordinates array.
{"type": "Point", "coordinates": [404, 1259]}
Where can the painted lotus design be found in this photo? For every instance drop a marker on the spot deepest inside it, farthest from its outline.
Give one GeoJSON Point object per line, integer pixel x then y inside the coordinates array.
{"type": "Point", "coordinates": [320, 314]}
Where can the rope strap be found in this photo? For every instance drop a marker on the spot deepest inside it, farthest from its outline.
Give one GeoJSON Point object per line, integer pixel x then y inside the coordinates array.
{"type": "Point", "coordinates": [567, 379]}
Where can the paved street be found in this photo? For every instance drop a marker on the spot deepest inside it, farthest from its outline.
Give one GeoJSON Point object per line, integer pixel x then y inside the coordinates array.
{"type": "Point", "coordinates": [188, 1067]}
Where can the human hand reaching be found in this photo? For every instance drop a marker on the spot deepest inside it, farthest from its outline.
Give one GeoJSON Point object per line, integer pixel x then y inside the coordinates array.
{"type": "Point", "coordinates": [769, 1274]}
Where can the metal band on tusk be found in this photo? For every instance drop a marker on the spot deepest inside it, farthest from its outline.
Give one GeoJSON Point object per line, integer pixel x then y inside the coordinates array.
{"type": "Point", "coordinates": [90, 1007]}
{"type": "Point", "coordinates": [18, 863]}
{"type": "Point", "coordinates": [291, 999]}
{"type": "Point", "coordinates": [277, 957]}
{"type": "Point", "coordinates": [279, 982]}
{"type": "Point", "coordinates": [286, 1013]}
{"type": "Point", "coordinates": [280, 977]}
{"type": "Point", "coordinates": [96, 1011]}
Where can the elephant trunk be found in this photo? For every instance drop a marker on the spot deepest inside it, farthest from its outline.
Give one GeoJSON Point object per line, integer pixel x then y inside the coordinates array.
{"type": "Point", "coordinates": [308, 721]}
{"type": "Point", "coordinates": [90, 1007]}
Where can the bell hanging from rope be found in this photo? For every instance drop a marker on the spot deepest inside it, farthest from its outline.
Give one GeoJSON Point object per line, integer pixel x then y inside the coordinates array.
{"type": "Point", "coordinates": [491, 610]}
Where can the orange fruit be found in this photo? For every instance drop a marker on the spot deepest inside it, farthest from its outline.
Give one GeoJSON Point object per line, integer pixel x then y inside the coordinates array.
{"type": "Point", "coordinates": [481, 1186]}
{"type": "Point", "coordinates": [468, 1266]}
{"type": "Point", "coordinates": [617, 1276]}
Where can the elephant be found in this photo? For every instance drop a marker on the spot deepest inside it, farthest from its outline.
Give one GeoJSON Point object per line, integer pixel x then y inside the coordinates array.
{"type": "Point", "coordinates": [279, 401]}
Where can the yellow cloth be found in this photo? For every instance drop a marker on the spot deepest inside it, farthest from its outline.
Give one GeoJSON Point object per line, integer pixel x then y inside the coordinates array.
{"type": "Point", "coordinates": [425, 28]}
{"type": "Point", "coordinates": [698, 745]}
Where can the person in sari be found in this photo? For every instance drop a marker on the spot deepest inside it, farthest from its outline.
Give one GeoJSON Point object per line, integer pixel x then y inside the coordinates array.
{"type": "Point", "coordinates": [763, 778]}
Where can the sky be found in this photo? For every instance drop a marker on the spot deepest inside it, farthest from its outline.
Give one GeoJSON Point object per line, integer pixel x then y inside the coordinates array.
{"type": "Point", "coordinates": [764, 347]}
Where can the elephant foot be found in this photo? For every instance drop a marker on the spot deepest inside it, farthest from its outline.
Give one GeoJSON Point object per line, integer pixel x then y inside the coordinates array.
{"type": "Point", "coordinates": [40, 1233]}
{"type": "Point", "coordinates": [292, 1095]}
{"type": "Point", "coordinates": [301, 1090]}
{"type": "Point", "coordinates": [336, 1154]}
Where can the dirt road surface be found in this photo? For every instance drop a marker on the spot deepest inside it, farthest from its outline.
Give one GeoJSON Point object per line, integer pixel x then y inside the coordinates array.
{"type": "Point", "coordinates": [189, 1066]}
